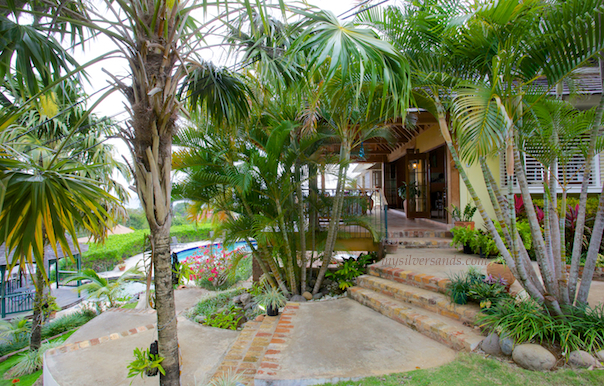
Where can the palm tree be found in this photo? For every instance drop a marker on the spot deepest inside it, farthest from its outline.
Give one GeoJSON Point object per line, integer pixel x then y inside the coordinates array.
{"type": "Point", "coordinates": [100, 287]}
{"type": "Point", "coordinates": [502, 47]}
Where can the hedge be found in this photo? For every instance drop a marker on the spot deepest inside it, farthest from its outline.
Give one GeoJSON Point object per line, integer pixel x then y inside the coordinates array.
{"type": "Point", "coordinates": [103, 257]}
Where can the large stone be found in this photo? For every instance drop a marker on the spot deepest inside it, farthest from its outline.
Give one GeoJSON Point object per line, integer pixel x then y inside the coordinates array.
{"type": "Point", "coordinates": [600, 355]}
{"type": "Point", "coordinates": [307, 295]}
{"type": "Point", "coordinates": [581, 359]}
{"type": "Point", "coordinates": [490, 344]}
{"type": "Point", "coordinates": [506, 344]}
{"type": "Point", "coordinates": [318, 295]}
{"type": "Point", "coordinates": [533, 357]}
{"type": "Point", "coordinates": [237, 299]}
{"type": "Point", "coordinates": [200, 319]}
{"type": "Point", "coordinates": [298, 299]}
{"type": "Point", "coordinates": [245, 298]}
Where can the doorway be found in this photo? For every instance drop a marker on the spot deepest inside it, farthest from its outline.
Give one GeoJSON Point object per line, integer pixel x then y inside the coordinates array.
{"type": "Point", "coordinates": [438, 183]}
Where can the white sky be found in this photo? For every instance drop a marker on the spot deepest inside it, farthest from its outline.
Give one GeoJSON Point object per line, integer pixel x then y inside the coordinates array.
{"type": "Point", "coordinates": [113, 106]}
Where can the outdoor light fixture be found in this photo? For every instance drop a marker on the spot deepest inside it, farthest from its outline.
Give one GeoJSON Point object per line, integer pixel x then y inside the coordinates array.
{"type": "Point", "coordinates": [414, 165]}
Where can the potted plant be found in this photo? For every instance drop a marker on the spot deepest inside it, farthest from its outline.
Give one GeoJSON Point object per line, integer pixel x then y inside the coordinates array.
{"type": "Point", "coordinates": [272, 299]}
{"type": "Point", "coordinates": [463, 219]}
{"type": "Point", "coordinates": [464, 237]}
{"type": "Point", "coordinates": [391, 247]}
{"type": "Point", "coordinates": [121, 266]}
{"type": "Point", "coordinates": [500, 270]}
{"type": "Point", "coordinates": [145, 363]}
{"type": "Point", "coordinates": [484, 245]}
{"type": "Point", "coordinates": [413, 192]}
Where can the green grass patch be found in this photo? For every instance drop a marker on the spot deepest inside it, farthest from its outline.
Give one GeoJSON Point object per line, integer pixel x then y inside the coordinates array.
{"type": "Point", "coordinates": [26, 380]}
{"type": "Point", "coordinates": [475, 370]}
{"type": "Point", "coordinates": [104, 257]}
{"type": "Point", "coordinates": [129, 305]}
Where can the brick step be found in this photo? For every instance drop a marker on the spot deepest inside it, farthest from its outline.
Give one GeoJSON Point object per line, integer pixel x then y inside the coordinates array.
{"type": "Point", "coordinates": [419, 233]}
{"type": "Point", "coordinates": [429, 300]}
{"type": "Point", "coordinates": [440, 328]}
{"type": "Point", "coordinates": [415, 279]}
{"type": "Point", "coordinates": [421, 242]}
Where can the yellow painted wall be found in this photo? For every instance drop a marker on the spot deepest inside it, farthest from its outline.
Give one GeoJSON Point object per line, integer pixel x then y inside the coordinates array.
{"type": "Point", "coordinates": [474, 173]}
{"type": "Point", "coordinates": [429, 139]}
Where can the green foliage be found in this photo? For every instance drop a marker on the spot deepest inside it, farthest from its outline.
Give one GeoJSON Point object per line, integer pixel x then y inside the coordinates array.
{"type": "Point", "coordinates": [101, 288]}
{"type": "Point", "coordinates": [227, 379]}
{"type": "Point", "coordinates": [484, 243]}
{"type": "Point", "coordinates": [32, 361]}
{"type": "Point", "coordinates": [143, 362]}
{"type": "Point", "coordinates": [103, 257]}
{"type": "Point", "coordinates": [271, 297]}
{"type": "Point", "coordinates": [227, 318]}
{"type": "Point", "coordinates": [472, 285]}
{"type": "Point", "coordinates": [16, 331]}
{"type": "Point", "coordinates": [67, 322]}
{"type": "Point", "coordinates": [463, 236]}
{"type": "Point", "coordinates": [137, 219]}
{"type": "Point", "coordinates": [582, 328]}
{"type": "Point", "coordinates": [466, 216]}
{"type": "Point", "coordinates": [349, 270]}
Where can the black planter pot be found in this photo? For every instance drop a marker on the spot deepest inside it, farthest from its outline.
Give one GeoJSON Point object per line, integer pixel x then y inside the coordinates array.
{"type": "Point", "coordinates": [270, 311]}
{"type": "Point", "coordinates": [467, 249]}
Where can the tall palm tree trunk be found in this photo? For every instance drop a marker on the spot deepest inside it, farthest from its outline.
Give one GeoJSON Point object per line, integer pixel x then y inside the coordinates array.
{"type": "Point", "coordinates": [35, 340]}
{"type": "Point", "coordinates": [301, 228]}
{"type": "Point", "coordinates": [334, 224]}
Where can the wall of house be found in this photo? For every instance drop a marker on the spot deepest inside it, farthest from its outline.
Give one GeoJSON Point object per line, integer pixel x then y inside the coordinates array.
{"type": "Point", "coordinates": [474, 173]}
{"type": "Point", "coordinates": [429, 139]}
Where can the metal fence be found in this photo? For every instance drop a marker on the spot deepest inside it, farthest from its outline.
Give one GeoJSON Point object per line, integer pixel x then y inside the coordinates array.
{"type": "Point", "coordinates": [18, 302]}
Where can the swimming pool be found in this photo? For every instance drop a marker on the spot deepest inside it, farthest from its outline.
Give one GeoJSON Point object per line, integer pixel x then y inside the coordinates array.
{"type": "Point", "coordinates": [216, 247]}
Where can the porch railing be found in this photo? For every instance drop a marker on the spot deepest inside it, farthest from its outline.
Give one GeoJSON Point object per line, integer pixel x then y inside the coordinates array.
{"type": "Point", "coordinates": [362, 210]}
{"type": "Point", "coordinates": [18, 302]}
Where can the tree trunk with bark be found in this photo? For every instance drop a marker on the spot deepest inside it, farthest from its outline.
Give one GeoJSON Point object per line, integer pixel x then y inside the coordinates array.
{"type": "Point", "coordinates": [35, 340]}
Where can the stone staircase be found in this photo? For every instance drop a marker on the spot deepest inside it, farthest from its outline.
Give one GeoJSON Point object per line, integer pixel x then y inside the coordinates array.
{"type": "Point", "coordinates": [419, 238]}
{"type": "Point", "coordinates": [420, 302]}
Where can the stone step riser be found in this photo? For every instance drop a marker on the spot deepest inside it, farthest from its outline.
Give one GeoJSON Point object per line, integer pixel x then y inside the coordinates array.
{"type": "Point", "coordinates": [414, 279]}
{"type": "Point", "coordinates": [420, 234]}
{"type": "Point", "coordinates": [434, 302]}
{"type": "Point", "coordinates": [434, 329]}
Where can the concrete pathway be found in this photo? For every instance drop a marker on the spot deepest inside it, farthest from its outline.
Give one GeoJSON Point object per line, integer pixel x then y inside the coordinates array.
{"type": "Point", "coordinates": [341, 339]}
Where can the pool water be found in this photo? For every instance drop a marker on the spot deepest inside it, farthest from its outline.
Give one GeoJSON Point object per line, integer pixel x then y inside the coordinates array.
{"type": "Point", "coordinates": [216, 248]}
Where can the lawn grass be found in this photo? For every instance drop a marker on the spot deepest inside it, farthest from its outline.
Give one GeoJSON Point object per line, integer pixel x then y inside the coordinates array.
{"type": "Point", "coordinates": [476, 370]}
{"type": "Point", "coordinates": [129, 305]}
{"type": "Point", "coordinates": [27, 380]}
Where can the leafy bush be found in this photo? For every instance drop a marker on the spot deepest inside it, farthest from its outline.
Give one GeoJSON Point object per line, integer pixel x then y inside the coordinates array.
{"type": "Point", "coordinates": [474, 286]}
{"type": "Point", "coordinates": [349, 270]}
{"type": "Point", "coordinates": [144, 362]}
{"type": "Point", "coordinates": [67, 322]}
{"type": "Point", "coordinates": [227, 319]}
{"type": "Point", "coordinates": [32, 361]}
{"type": "Point", "coordinates": [582, 328]}
{"type": "Point", "coordinates": [103, 257]}
{"type": "Point", "coordinates": [463, 236]}
{"type": "Point", "coordinates": [219, 270]}
{"type": "Point", "coordinates": [15, 331]}
{"type": "Point", "coordinates": [209, 305]}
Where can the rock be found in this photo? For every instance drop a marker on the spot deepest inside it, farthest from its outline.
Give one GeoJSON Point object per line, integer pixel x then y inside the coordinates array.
{"type": "Point", "coordinates": [307, 295]}
{"type": "Point", "coordinates": [317, 296]}
{"type": "Point", "coordinates": [200, 319]}
{"type": "Point", "coordinates": [327, 282]}
{"type": "Point", "coordinates": [581, 359]}
{"type": "Point", "coordinates": [248, 306]}
{"type": "Point", "coordinates": [237, 299]}
{"type": "Point", "coordinates": [298, 299]}
{"type": "Point", "coordinates": [533, 357]}
{"type": "Point", "coordinates": [506, 344]}
{"type": "Point", "coordinates": [600, 355]}
{"type": "Point", "coordinates": [245, 298]}
{"type": "Point", "coordinates": [259, 318]}
{"type": "Point", "coordinates": [490, 344]}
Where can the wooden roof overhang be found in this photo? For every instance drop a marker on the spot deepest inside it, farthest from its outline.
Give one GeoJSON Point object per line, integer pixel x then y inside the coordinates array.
{"type": "Point", "coordinates": [378, 149]}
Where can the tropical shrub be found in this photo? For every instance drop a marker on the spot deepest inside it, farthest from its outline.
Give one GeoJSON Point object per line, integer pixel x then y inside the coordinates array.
{"type": "Point", "coordinates": [217, 270]}
{"type": "Point", "coordinates": [473, 286]}
{"type": "Point", "coordinates": [67, 322]}
{"type": "Point", "coordinates": [227, 319]}
{"type": "Point", "coordinates": [349, 270]}
{"type": "Point", "coordinates": [463, 236]}
{"type": "Point", "coordinates": [582, 328]}
{"type": "Point", "coordinates": [32, 360]}
{"type": "Point", "coordinates": [144, 362]}
{"type": "Point", "coordinates": [15, 331]}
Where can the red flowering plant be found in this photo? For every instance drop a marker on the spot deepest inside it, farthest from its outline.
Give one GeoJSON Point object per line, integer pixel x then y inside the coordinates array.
{"type": "Point", "coordinates": [212, 268]}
